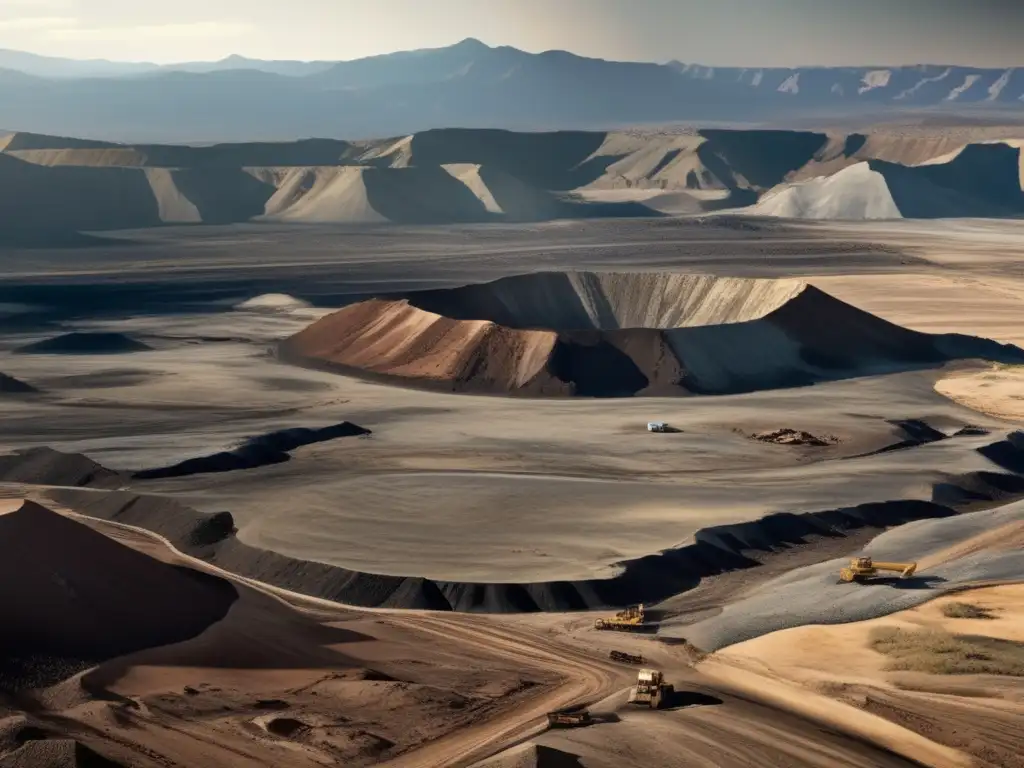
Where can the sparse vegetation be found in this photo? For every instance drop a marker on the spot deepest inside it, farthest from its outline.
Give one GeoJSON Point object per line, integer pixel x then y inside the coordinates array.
{"type": "Point", "coordinates": [940, 653]}
{"type": "Point", "coordinates": [966, 611]}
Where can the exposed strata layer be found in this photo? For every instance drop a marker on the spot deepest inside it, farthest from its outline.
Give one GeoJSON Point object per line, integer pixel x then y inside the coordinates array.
{"type": "Point", "coordinates": [57, 186]}
{"type": "Point", "coordinates": [621, 334]}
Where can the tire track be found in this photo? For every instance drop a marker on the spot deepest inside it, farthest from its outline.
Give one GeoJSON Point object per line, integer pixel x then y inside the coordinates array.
{"type": "Point", "coordinates": [586, 679]}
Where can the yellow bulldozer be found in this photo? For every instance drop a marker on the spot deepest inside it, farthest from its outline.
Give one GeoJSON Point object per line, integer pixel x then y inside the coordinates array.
{"type": "Point", "coordinates": [630, 618]}
{"type": "Point", "coordinates": [862, 569]}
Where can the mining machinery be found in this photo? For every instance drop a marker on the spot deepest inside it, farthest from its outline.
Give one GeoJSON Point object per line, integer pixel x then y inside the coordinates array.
{"type": "Point", "coordinates": [651, 689]}
{"type": "Point", "coordinates": [630, 618]}
{"type": "Point", "coordinates": [862, 569]}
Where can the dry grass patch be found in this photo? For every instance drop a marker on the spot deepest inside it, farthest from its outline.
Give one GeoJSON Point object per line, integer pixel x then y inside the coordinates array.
{"type": "Point", "coordinates": [940, 653]}
{"type": "Point", "coordinates": [966, 611]}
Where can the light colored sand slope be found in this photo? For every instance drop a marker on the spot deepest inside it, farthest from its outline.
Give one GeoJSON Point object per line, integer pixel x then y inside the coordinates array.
{"type": "Point", "coordinates": [856, 192]}
{"type": "Point", "coordinates": [976, 180]}
{"type": "Point", "coordinates": [325, 194]}
{"type": "Point", "coordinates": [750, 160]}
{"type": "Point", "coordinates": [366, 195]}
{"type": "Point", "coordinates": [998, 391]}
{"type": "Point", "coordinates": [651, 162]}
{"type": "Point", "coordinates": [811, 655]}
{"type": "Point", "coordinates": [469, 174]}
{"type": "Point", "coordinates": [952, 553]}
{"type": "Point", "coordinates": [172, 205]}
{"type": "Point", "coordinates": [503, 194]}
{"type": "Point", "coordinates": [972, 713]}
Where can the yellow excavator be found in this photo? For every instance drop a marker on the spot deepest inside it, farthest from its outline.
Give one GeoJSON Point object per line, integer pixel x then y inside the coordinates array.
{"type": "Point", "coordinates": [630, 618]}
{"type": "Point", "coordinates": [863, 568]}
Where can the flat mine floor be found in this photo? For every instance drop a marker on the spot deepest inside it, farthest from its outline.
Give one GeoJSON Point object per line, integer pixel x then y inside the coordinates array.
{"type": "Point", "coordinates": [475, 488]}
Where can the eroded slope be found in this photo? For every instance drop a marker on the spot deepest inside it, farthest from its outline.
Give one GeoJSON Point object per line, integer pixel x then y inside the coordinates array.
{"type": "Point", "coordinates": [614, 334]}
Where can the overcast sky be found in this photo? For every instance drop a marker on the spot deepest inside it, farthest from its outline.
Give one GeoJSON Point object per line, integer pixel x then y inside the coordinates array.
{"type": "Point", "coordinates": [718, 32]}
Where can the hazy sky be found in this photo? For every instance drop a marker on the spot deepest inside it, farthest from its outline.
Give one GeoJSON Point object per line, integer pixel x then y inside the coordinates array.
{"type": "Point", "coordinates": [722, 32]}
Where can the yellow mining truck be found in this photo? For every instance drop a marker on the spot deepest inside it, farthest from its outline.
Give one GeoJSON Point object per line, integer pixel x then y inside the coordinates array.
{"type": "Point", "coordinates": [630, 618]}
{"type": "Point", "coordinates": [651, 689]}
{"type": "Point", "coordinates": [863, 568]}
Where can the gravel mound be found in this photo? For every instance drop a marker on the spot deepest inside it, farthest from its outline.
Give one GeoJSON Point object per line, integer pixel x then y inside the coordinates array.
{"type": "Point", "coordinates": [72, 593]}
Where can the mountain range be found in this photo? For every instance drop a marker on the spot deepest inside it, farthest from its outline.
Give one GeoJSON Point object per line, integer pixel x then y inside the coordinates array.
{"type": "Point", "coordinates": [468, 85]}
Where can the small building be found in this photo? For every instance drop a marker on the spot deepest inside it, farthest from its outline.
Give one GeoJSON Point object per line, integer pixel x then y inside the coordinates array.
{"type": "Point", "coordinates": [657, 426]}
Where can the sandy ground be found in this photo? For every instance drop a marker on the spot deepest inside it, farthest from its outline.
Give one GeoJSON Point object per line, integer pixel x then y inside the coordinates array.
{"type": "Point", "coordinates": [485, 488]}
{"type": "Point", "coordinates": [953, 552]}
{"type": "Point", "coordinates": [288, 678]}
{"type": "Point", "coordinates": [998, 392]}
{"type": "Point", "coordinates": [509, 481]}
{"type": "Point", "coordinates": [488, 461]}
{"type": "Point", "coordinates": [976, 714]}
{"type": "Point", "coordinates": [283, 677]}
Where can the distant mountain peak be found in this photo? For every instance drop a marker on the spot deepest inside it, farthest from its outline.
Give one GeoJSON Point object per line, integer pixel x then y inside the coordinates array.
{"type": "Point", "coordinates": [469, 84]}
{"type": "Point", "coordinates": [471, 43]}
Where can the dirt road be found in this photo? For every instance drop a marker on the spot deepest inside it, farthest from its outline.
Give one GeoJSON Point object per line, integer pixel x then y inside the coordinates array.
{"type": "Point", "coordinates": [586, 680]}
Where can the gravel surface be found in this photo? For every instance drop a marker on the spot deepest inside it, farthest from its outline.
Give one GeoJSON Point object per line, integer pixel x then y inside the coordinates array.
{"type": "Point", "coordinates": [814, 595]}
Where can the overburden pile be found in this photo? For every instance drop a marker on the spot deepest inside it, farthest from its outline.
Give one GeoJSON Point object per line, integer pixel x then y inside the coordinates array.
{"type": "Point", "coordinates": [620, 334]}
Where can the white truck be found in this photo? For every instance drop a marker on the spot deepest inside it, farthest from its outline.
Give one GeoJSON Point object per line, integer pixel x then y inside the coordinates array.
{"type": "Point", "coordinates": [651, 689]}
